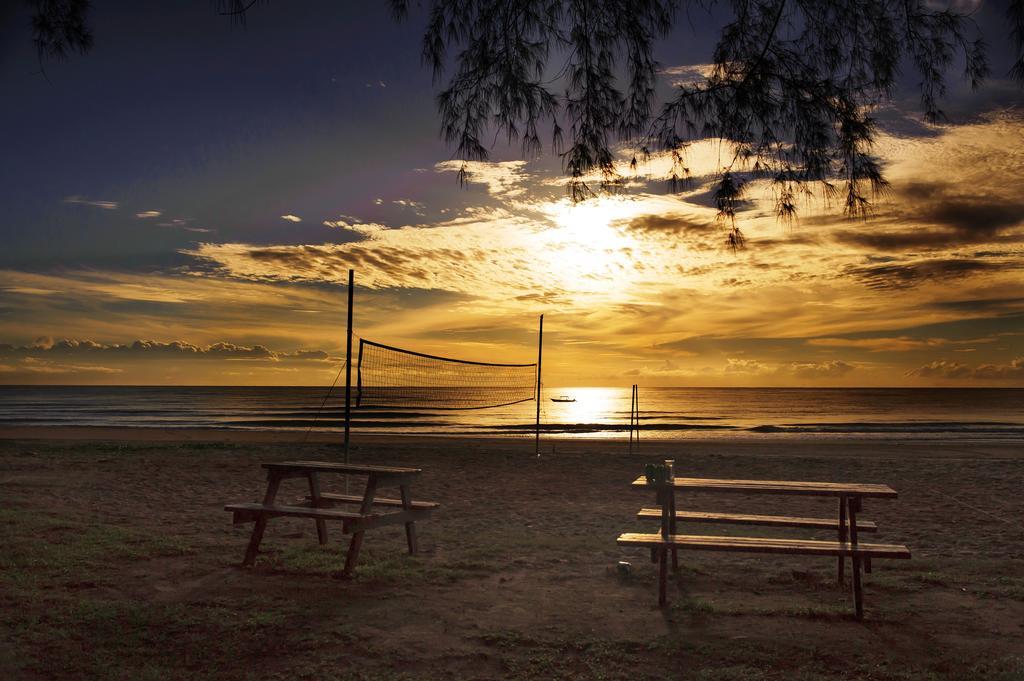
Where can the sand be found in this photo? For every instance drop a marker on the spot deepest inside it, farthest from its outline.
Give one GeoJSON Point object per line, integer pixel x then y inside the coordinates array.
{"type": "Point", "coordinates": [118, 562]}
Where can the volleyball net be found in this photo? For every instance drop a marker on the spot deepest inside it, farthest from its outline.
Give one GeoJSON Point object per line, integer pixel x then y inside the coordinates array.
{"type": "Point", "coordinates": [387, 376]}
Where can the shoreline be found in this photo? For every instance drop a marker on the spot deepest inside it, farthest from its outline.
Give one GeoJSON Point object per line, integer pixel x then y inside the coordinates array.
{"type": "Point", "coordinates": [828, 445]}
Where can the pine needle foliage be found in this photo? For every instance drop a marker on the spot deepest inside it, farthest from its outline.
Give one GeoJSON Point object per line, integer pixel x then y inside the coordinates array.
{"type": "Point", "coordinates": [791, 89]}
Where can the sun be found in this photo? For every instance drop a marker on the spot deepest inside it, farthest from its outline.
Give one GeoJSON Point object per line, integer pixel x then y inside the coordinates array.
{"type": "Point", "coordinates": [588, 249]}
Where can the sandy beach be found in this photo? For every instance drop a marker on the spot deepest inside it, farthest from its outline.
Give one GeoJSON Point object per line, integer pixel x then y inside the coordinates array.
{"type": "Point", "coordinates": [119, 563]}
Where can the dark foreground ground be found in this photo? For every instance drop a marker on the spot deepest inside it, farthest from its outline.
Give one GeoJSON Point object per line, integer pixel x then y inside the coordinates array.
{"type": "Point", "coordinates": [117, 562]}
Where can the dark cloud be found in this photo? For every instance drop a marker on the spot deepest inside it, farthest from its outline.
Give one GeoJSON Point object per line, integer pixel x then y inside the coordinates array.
{"type": "Point", "coordinates": [921, 190]}
{"type": "Point", "coordinates": [971, 328]}
{"type": "Point", "coordinates": [786, 241]}
{"type": "Point", "coordinates": [709, 187]}
{"type": "Point", "coordinates": [997, 254]}
{"type": "Point", "coordinates": [544, 297]}
{"type": "Point", "coordinates": [150, 349]}
{"type": "Point", "coordinates": [979, 217]}
{"type": "Point", "coordinates": [982, 305]}
{"type": "Point", "coordinates": [770, 348]}
{"type": "Point", "coordinates": [940, 217]}
{"type": "Point", "coordinates": [910, 274]}
{"type": "Point", "coordinates": [671, 223]}
{"type": "Point", "coordinates": [900, 240]}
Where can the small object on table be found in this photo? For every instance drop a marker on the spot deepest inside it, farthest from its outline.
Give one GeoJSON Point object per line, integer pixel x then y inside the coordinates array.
{"type": "Point", "coordinates": [655, 474]}
{"type": "Point", "coordinates": [660, 476]}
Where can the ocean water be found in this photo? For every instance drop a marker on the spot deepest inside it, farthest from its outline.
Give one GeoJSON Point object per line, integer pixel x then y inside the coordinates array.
{"type": "Point", "coordinates": [666, 413]}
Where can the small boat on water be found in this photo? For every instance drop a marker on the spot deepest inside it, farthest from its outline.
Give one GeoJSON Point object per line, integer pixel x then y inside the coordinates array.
{"type": "Point", "coordinates": [563, 398]}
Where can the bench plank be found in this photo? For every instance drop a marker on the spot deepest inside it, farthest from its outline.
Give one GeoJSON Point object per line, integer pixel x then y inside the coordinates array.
{"type": "Point", "coordinates": [832, 489]}
{"type": "Point", "coordinates": [381, 501]}
{"type": "Point", "coordinates": [354, 521]}
{"type": "Point", "coordinates": [292, 511]}
{"type": "Point", "coordinates": [350, 468]}
{"type": "Point", "coordinates": [809, 547]}
{"type": "Point", "coordinates": [372, 521]}
{"type": "Point", "coordinates": [747, 519]}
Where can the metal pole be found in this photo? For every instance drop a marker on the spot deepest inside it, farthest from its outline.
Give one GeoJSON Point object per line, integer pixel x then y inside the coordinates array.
{"type": "Point", "coordinates": [632, 409]}
{"type": "Point", "coordinates": [348, 364]}
{"type": "Point", "coordinates": [540, 352]}
{"type": "Point", "coordinates": [637, 388]}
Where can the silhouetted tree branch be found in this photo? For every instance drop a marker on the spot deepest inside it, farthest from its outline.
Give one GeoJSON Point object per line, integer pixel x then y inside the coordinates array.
{"type": "Point", "coordinates": [59, 28]}
{"type": "Point", "coordinates": [792, 84]}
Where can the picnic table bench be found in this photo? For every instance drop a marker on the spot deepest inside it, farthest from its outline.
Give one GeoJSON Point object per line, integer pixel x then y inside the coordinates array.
{"type": "Point", "coordinates": [322, 506]}
{"type": "Point", "coordinates": [846, 526]}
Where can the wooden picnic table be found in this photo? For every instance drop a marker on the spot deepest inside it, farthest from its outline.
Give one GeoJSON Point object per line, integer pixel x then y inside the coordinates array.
{"type": "Point", "coordinates": [321, 506]}
{"type": "Point", "coordinates": [850, 495]}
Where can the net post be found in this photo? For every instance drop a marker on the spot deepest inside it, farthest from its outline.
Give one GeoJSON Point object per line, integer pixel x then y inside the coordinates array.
{"type": "Point", "coordinates": [540, 352]}
{"type": "Point", "coordinates": [632, 410]}
{"type": "Point", "coordinates": [359, 375]}
{"type": "Point", "coordinates": [348, 364]}
{"type": "Point", "coordinates": [637, 388]}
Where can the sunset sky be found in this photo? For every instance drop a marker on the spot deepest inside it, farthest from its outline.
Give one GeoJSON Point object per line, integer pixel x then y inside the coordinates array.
{"type": "Point", "coordinates": [182, 206]}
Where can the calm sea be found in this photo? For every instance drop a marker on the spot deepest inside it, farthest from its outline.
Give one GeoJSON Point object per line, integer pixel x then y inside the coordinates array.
{"type": "Point", "coordinates": [676, 413]}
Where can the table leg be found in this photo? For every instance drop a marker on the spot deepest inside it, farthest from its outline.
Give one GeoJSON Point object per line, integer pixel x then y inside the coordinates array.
{"type": "Point", "coordinates": [867, 559]}
{"type": "Point", "coordinates": [662, 574]}
{"type": "Point", "coordinates": [357, 537]}
{"type": "Point", "coordinates": [663, 502]}
{"type": "Point", "coordinates": [314, 493]}
{"type": "Point", "coordinates": [841, 563]}
{"type": "Point", "coordinates": [858, 594]}
{"type": "Point", "coordinates": [273, 482]}
{"type": "Point", "coordinates": [672, 525]}
{"type": "Point", "coordinates": [410, 527]}
{"type": "Point", "coordinates": [660, 500]}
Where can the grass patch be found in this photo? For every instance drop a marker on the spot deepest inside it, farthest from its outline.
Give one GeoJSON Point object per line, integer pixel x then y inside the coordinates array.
{"type": "Point", "coordinates": [132, 639]}
{"type": "Point", "coordinates": [41, 548]}
{"type": "Point", "coordinates": [732, 673]}
{"type": "Point", "coordinates": [695, 606]}
{"type": "Point", "coordinates": [1005, 669]}
{"type": "Point", "coordinates": [932, 578]}
{"type": "Point", "coordinates": [1013, 591]}
{"type": "Point", "coordinates": [525, 657]}
{"type": "Point", "coordinates": [704, 607]}
{"type": "Point", "coordinates": [392, 567]}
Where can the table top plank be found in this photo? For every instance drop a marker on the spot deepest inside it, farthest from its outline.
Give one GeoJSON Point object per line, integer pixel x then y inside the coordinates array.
{"type": "Point", "coordinates": [349, 468]}
{"type": "Point", "coordinates": [808, 488]}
